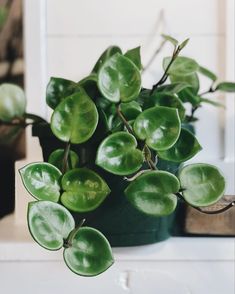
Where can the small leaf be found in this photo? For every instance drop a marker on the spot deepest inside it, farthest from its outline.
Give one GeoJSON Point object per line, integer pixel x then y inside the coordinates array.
{"type": "Point", "coordinates": [185, 148]}
{"type": "Point", "coordinates": [75, 119]}
{"type": "Point", "coordinates": [12, 102]}
{"type": "Point", "coordinates": [58, 89]}
{"type": "Point", "coordinates": [226, 87]}
{"type": "Point", "coordinates": [56, 159]}
{"type": "Point", "coordinates": [159, 126]}
{"type": "Point", "coordinates": [41, 180]}
{"type": "Point", "coordinates": [110, 51]}
{"type": "Point", "coordinates": [49, 223]}
{"type": "Point", "coordinates": [130, 110]}
{"type": "Point", "coordinates": [183, 44]}
{"type": "Point", "coordinates": [202, 184]}
{"type": "Point", "coordinates": [214, 103]}
{"type": "Point", "coordinates": [118, 154]}
{"type": "Point", "coordinates": [119, 79]}
{"type": "Point", "coordinates": [173, 88]}
{"type": "Point", "coordinates": [170, 39]}
{"type": "Point", "coordinates": [153, 193]}
{"type": "Point", "coordinates": [166, 99]}
{"type": "Point", "coordinates": [90, 253]}
{"type": "Point", "coordinates": [207, 73]}
{"type": "Point", "coordinates": [134, 56]}
{"type": "Point", "coordinates": [181, 66]}
{"type": "Point", "coordinates": [84, 190]}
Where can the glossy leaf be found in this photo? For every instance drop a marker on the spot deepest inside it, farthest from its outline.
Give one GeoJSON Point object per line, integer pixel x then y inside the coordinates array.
{"type": "Point", "coordinates": [89, 84]}
{"type": "Point", "coordinates": [84, 190]}
{"type": "Point", "coordinates": [110, 51]}
{"type": "Point", "coordinates": [119, 79]}
{"type": "Point", "coordinates": [56, 159]}
{"type": "Point", "coordinates": [166, 99]}
{"type": "Point", "coordinates": [153, 193]}
{"type": "Point", "coordinates": [75, 119]}
{"type": "Point", "coordinates": [192, 80]}
{"type": "Point", "coordinates": [90, 253]}
{"type": "Point", "coordinates": [12, 102]}
{"type": "Point", "coordinates": [49, 223]}
{"type": "Point", "coordinates": [58, 89]}
{"type": "Point", "coordinates": [159, 126]}
{"type": "Point", "coordinates": [202, 184]}
{"type": "Point", "coordinates": [42, 180]}
{"type": "Point", "coordinates": [207, 73]}
{"type": "Point", "coordinates": [134, 56]}
{"type": "Point", "coordinates": [118, 154]}
{"type": "Point", "coordinates": [185, 148]}
{"type": "Point", "coordinates": [130, 110]}
{"type": "Point", "coordinates": [226, 87]}
{"type": "Point", "coordinates": [181, 66]}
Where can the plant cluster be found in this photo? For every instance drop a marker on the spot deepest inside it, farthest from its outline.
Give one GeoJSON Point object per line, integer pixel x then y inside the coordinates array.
{"type": "Point", "coordinates": [132, 130]}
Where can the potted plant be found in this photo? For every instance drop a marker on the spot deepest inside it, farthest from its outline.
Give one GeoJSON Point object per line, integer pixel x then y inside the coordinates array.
{"type": "Point", "coordinates": [113, 155]}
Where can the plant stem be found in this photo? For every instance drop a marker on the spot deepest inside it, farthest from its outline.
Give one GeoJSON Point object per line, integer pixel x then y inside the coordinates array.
{"type": "Point", "coordinates": [122, 117]}
{"type": "Point", "coordinates": [165, 74]}
{"type": "Point", "coordinates": [194, 108]}
{"type": "Point", "coordinates": [230, 205]}
{"type": "Point", "coordinates": [65, 158]}
{"type": "Point", "coordinates": [69, 240]}
{"type": "Point", "coordinates": [157, 51]}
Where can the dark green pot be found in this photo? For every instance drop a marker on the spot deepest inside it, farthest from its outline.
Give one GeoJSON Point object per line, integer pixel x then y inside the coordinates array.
{"type": "Point", "coordinates": [121, 223]}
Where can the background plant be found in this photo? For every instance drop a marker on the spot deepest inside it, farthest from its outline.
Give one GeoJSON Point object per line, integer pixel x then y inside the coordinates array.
{"type": "Point", "coordinates": [132, 130]}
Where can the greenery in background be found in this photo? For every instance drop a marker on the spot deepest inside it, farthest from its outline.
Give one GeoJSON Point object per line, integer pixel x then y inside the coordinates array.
{"type": "Point", "coordinates": [138, 127]}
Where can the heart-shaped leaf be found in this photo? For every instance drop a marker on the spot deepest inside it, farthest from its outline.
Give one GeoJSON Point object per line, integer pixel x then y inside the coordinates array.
{"type": "Point", "coordinates": [159, 126]}
{"type": "Point", "coordinates": [58, 89]}
{"type": "Point", "coordinates": [185, 148]}
{"type": "Point", "coordinates": [166, 99]}
{"type": "Point", "coordinates": [119, 79]}
{"type": "Point", "coordinates": [226, 87]}
{"type": "Point", "coordinates": [75, 118]}
{"type": "Point", "coordinates": [110, 51]}
{"type": "Point", "coordinates": [181, 66]}
{"type": "Point", "coordinates": [57, 156]}
{"type": "Point", "coordinates": [153, 193]}
{"type": "Point", "coordinates": [12, 102]}
{"type": "Point", "coordinates": [49, 223]}
{"type": "Point", "coordinates": [118, 154]}
{"type": "Point", "coordinates": [42, 180]}
{"type": "Point", "coordinates": [90, 253]}
{"type": "Point", "coordinates": [207, 73]}
{"type": "Point", "coordinates": [84, 190]}
{"type": "Point", "coordinates": [134, 56]}
{"type": "Point", "coordinates": [130, 110]}
{"type": "Point", "coordinates": [202, 184]}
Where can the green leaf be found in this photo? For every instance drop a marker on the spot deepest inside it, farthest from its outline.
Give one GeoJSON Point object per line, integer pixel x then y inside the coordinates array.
{"type": "Point", "coordinates": [75, 119]}
{"type": "Point", "coordinates": [58, 89]}
{"type": "Point", "coordinates": [159, 126]}
{"type": "Point", "coordinates": [185, 148]}
{"type": "Point", "coordinates": [181, 66]}
{"type": "Point", "coordinates": [130, 110]}
{"type": "Point", "coordinates": [90, 253]}
{"type": "Point", "coordinates": [118, 154]}
{"type": "Point", "coordinates": [203, 184]}
{"type": "Point", "coordinates": [192, 80]}
{"type": "Point", "coordinates": [84, 190]}
{"type": "Point", "coordinates": [110, 51]}
{"type": "Point", "coordinates": [42, 180]}
{"type": "Point", "coordinates": [226, 87]}
{"type": "Point", "coordinates": [153, 193]}
{"type": "Point", "coordinates": [207, 73]}
{"type": "Point", "coordinates": [89, 84]}
{"type": "Point", "coordinates": [173, 88]}
{"type": "Point", "coordinates": [183, 44]}
{"type": "Point", "coordinates": [12, 102]}
{"type": "Point", "coordinates": [57, 156]}
{"type": "Point", "coordinates": [214, 103]}
{"type": "Point", "coordinates": [49, 223]}
{"type": "Point", "coordinates": [166, 99]}
{"type": "Point", "coordinates": [170, 39]}
{"type": "Point", "coordinates": [119, 79]}
{"type": "Point", "coordinates": [134, 56]}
